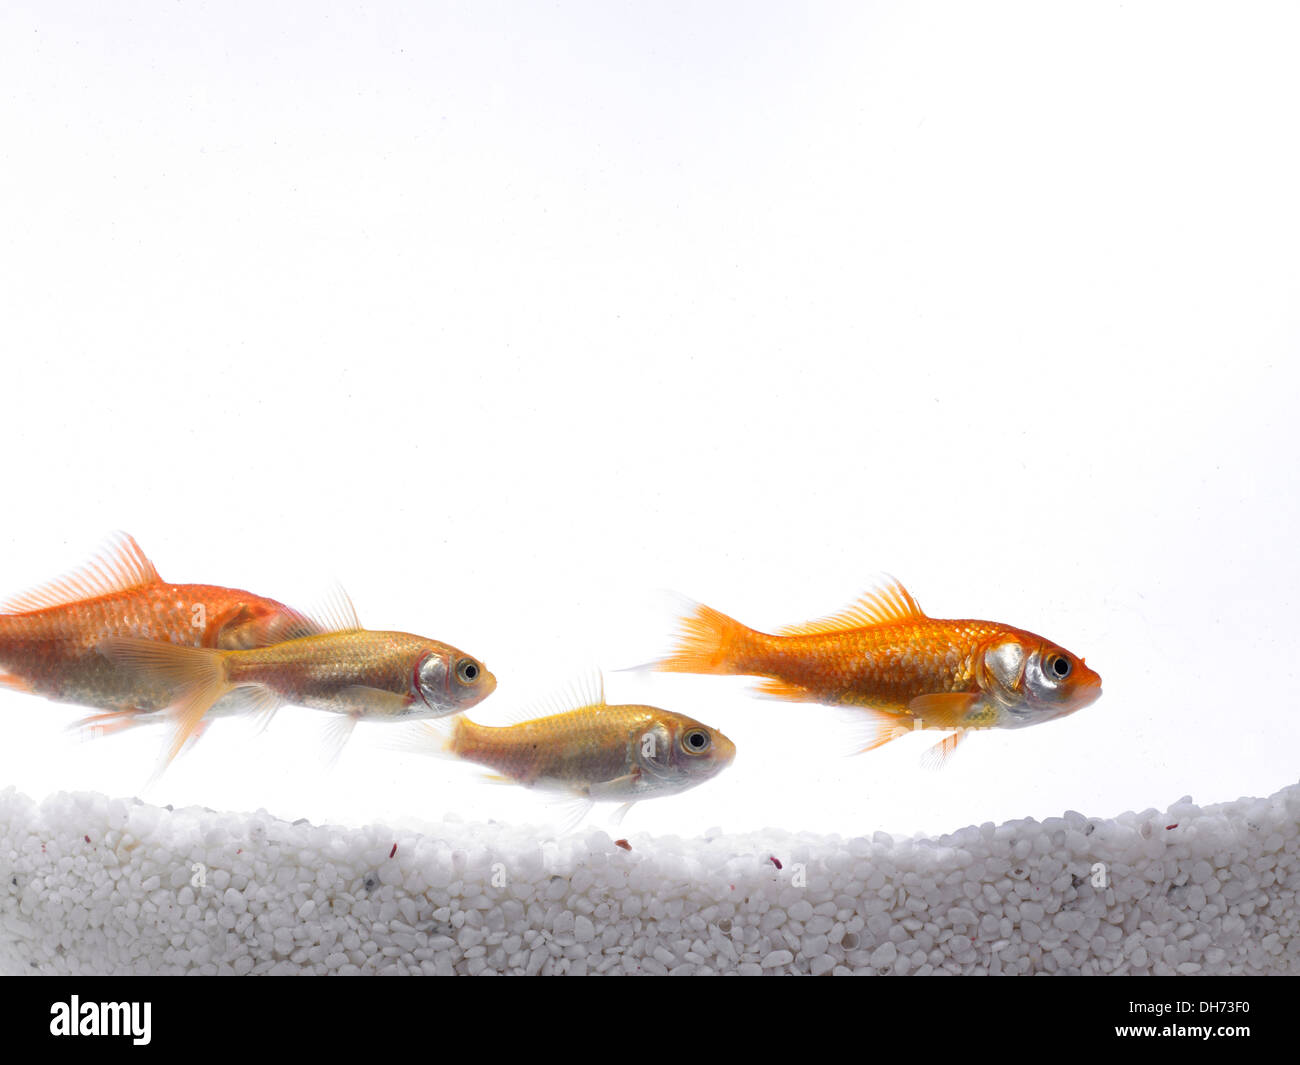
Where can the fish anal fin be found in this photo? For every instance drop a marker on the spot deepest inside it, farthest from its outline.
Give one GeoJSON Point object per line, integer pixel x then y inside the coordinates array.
{"type": "Point", "coordinates": [15, 683]}
{"type": "Point", "coordinates": [887, 603]}
{"type": "Point", "coordinates": [109, 721]}
{"type": "Point", "coordinates": [773, 688]}
{"type": "Point", "coordinates": [118, 566]}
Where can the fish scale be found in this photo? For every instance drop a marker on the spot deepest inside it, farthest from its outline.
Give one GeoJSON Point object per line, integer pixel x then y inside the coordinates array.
{"type": "Point", "coordinates": [356, 673]}
{"type": "Point", "coordinates": [569, 748]}
{"type": "Point", "coordinates": [50, 637]}
{"type": "Point", "coordinates": [588, 751]}
{"type": "Point", "coordinates": [900, 667]}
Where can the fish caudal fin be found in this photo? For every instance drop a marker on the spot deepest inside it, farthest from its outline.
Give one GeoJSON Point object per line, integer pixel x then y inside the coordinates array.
{"type": "Point", "coordinates": [197, 675]}
{"type": "Point", "coordinates": [708, 642]}
{"type": "Point", "coordinates": [422, 737]}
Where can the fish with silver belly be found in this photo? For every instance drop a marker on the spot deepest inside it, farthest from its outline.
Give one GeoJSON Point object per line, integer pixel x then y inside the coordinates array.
{"type": "Point", "coordinates": [588, 751]}
{"type": "Point", "coordinates": [902, 669]}
{"type": "Point", "coordinates": [335, 666]}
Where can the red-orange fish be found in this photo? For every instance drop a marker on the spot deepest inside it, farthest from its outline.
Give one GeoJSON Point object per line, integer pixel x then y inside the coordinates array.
{"type": "Point", "coordinates": [903, 669]}
{"type": "Point", "coordinates": [50, 637]}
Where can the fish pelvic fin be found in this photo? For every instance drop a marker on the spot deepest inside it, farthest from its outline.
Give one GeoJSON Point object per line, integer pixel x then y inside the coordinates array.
{"type": "Point", "coordinates": [707, 642]}
{"type": "Point", "coordinates": [198, 675]}
{"type": "Point", "coordinates": [936, 757]}
{"type": "Point", "coordinates": [872, 728]}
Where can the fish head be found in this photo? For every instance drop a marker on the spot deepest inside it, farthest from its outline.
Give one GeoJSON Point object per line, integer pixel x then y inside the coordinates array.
{"type": "Point", "coordinates": [675, 752]}
{"type": "Point", "coordinates": [448, 681]}
{"type": "Point", "coordinates": [1034, 680]}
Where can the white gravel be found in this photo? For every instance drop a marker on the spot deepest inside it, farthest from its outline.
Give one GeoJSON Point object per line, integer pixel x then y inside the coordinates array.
{"type": "Point", "coordinates": [90, 885]}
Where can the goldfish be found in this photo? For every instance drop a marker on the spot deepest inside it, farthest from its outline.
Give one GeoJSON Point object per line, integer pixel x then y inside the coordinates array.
{"type": "Point", "coordinates": [50, 636]}
{"type": "Point", "coordinates": [902, 669]}
{"type": "Point", "coordinates": [330, 664]}
{"type": "Point", "coordinates": [589, 751]}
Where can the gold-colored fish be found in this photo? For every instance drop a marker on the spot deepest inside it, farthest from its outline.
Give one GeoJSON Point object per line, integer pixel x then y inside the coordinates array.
{"type": "Point", "coordinates": [591, 751]}
{"type": "Point", "coordinates": [336, 666]}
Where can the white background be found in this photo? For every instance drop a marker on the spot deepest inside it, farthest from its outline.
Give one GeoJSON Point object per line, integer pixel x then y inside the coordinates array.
{"type": "Point", "coordinates": [510, 317]}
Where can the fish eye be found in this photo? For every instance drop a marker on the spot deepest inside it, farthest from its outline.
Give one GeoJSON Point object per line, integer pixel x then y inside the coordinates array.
{"type": "Point", "coordinates": [1059, 666]}
{"type": "Point", "coordinates": [467, 671]}
{"type": "Point", "coordinates": [696, 741]}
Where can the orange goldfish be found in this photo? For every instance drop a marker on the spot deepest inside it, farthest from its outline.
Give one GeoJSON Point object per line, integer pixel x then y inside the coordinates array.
{"type": "Point", "coordinates": [905, 670]}
{"type": "Point", "coordinates": [592, 752]}
{"type": "Point", "coordinates": [50, 636]}
{"type": "Point", "coordinates": [331, 664]}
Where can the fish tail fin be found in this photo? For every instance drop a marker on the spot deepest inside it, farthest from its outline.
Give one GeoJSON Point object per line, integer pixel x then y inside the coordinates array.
{"type": "Point", "coordinates": [436, 736]}
{"type": "Point", "coordinates": [707, 642]}
{"type": "Point", "coordinates": [198, 675]}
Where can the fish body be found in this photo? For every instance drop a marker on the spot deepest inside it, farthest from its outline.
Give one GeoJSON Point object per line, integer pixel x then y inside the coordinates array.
{"type": "Point", "coordinates": [905, 670]}
{"type": "Point", "coordinates": [50, 636]}
{"type": "Point", "coordinates": [593, 752]}
{"type": "Point", "coordinates": [357, 673]}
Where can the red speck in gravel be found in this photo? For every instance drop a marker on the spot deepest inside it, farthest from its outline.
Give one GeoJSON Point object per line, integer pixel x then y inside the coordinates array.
{"type": "Point", "coordinates": [1168, 827]}
{"type": "Point", "coordinates": [623, 843]}
{"type": "Point", "coordinates": [774, 861]}
{"type": "Point", "coordinates": [393, 851]}
{"type": "Point", "coordinates": [86, 838]}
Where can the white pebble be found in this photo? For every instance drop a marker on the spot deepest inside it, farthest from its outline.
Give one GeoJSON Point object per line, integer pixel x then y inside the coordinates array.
{"type": "Point", "coordinates": [267, 896]}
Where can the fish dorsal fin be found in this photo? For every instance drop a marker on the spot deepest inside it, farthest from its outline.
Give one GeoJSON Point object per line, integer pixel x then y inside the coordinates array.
{"type": "Point", "coordinates": [335, 613]}
{"type": "Point", "coordinates": [883, 605]}
{"type": "Point", "coordinates": [586, 691]}
{"type": "Point", "coordinates": [118, 566]}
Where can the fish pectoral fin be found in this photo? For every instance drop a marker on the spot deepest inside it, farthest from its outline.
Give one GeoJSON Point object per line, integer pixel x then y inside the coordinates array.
{"type": "Point", "coordinates": [618, 788]}
{"type": "Point", "coordinates": [375, 702]}
{"type": "Point", "coordinates": [944, 709]}
{"type": "Point", "coordinates": [936, 757]}
{"type": "Point", "coordinates": [771, 688]}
